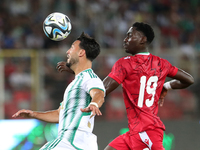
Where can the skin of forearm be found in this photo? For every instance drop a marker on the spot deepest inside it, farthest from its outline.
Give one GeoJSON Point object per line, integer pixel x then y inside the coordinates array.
{"type": "Point", "coordinates": [176, 84]}
{"type": "Point", "coordinates": [98, 97]}
{"type": "Point", "coordinates": [181, 80]}
{"type": "Point", "coordinates": [48, 116]}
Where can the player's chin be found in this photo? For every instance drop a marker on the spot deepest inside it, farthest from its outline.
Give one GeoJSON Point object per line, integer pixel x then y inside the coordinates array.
{"type": "Point", "coordinates": [127, 51]}
{"type": "Point", "coordinates": [125, 48]}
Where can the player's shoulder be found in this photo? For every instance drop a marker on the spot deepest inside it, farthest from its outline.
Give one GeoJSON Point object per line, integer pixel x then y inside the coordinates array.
{"type": "Point", "coordinates": [162, 62]}
{"type": "Point", "coordinates": [159, 58]}
{"type": "Point", "coordinates": [89, 74]}
{"type": "Point", "coordinates": [124, 59]}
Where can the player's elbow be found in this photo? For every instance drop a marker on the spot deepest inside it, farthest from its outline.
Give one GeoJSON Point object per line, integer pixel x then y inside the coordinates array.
{"type": "Point", "coordinates": [190, 81]}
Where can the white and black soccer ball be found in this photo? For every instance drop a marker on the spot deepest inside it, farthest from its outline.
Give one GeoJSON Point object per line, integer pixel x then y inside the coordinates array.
{"type": "Point", "coordinates": [57, 26]}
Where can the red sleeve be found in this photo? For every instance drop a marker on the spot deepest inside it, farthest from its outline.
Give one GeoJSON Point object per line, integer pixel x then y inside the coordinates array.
{"type": "Point", "coordinates": [118, 72]}
{"type": "Point", "coordinates": [172, 70]}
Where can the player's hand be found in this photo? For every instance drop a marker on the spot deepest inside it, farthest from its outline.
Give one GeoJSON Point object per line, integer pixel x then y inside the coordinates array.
{"type": "Point", "coordinates": [24, 113]}
{"type": "Point", "coordinates": [61, 66]}
{"type": "Point", "coordinates": [162, 96]}
{"type": "Point", "coordinates": [93, 109]}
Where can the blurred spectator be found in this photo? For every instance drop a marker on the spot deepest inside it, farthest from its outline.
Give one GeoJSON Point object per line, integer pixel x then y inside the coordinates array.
{"type": "Point", "coordinates": [20, 79]}
{"type": "Point", "coordinates": [18, 7]}
{"type": "Point", "coordinates": [9, 68]}
{"type": "Point", "coordinates": [18, 85]}
{"type": "Point", "coordinates": [174, 19]}
{"type": "Point", "coordinates": [115, 108]}
{"type": "Point", "coordinates": [35, 39]}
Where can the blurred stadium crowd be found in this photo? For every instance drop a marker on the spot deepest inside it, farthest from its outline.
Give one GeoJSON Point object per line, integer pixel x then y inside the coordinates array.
{"type": "Point", "coordinates": [176, 21]}
{"type": "Point", "coordinates": [177, 28]}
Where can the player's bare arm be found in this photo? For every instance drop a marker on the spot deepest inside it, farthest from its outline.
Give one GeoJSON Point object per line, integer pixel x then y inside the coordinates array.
{"type": "Point", "coordinates": [110, 84]}
{"type": "Point", "coordinates": [61, 66]}
{"type": "Point", "coordinates": [24, 113]}
{"type": "Point", "coordinates": [182, 80]}
{"type": "Point", "coordinates": [97, 101]}
{"type": "Point", "coordinates": [48, 116]}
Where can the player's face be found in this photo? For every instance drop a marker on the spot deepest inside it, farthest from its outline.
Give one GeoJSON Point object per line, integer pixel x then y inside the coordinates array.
{"type": "Point", "coordinates": [132, 42]}
{"type": "Point", "coordinates": [72, 54]}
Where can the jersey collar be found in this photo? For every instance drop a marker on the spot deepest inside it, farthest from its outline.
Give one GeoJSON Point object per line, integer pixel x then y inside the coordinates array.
{"type": "Point", "coordinates": [143, 53]}
{"type": "Point", "coordinates": [83, 71]}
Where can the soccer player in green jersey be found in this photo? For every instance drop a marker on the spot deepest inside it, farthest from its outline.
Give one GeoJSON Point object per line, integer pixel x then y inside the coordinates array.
{"type": "Point", "coordinates": [86, 92]}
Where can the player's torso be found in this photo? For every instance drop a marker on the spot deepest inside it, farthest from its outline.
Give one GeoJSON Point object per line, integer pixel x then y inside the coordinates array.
{"type": "Point", "coordinates": [141, 89]}
{"type": "Point", "coordinates": [71, 118]}
{"type": "Point", "coordinates": [144, 80]}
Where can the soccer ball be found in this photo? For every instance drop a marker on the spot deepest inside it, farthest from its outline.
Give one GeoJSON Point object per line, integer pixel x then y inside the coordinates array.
{"type": "Point", "coordinates": [57, 26]}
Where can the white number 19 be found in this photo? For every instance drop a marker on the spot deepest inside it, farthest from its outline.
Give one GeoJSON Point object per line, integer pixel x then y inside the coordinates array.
{"type": "Point", "coordinates": [149, 90]}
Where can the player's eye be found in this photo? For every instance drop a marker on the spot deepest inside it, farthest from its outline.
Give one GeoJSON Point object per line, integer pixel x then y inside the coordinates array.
{"type": "Point", "coordinates": [129, 35]}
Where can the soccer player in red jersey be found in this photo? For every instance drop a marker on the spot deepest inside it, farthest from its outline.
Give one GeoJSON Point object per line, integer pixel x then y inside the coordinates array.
{"type": "Point", "coordinates": [142, 76]}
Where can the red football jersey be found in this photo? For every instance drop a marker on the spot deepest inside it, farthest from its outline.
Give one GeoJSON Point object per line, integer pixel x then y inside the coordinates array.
{"type": "Point", "coordinates": [142, 77]}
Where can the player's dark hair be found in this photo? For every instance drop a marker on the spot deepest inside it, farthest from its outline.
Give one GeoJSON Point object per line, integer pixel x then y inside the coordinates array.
{"type": "Point", "coordinates": [90, 45]}
{"type": "Point", "coordinates": [146, 30]}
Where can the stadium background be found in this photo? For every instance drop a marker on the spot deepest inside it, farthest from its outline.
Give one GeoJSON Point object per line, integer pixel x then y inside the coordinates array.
{"type": "Point", "coordinates": [28, 78]}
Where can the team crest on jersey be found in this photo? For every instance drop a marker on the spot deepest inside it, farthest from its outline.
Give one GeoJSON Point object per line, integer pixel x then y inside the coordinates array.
{"type": "Point", "coordinates": [147, 141]}
{"type": "Point", "coordinates": [89, 124]}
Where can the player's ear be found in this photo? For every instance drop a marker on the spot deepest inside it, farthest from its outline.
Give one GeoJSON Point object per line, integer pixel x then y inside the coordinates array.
{"type": "Point", "coordinates": [81, 52]}
{"type": "Point", "coordinates": [143, 40]}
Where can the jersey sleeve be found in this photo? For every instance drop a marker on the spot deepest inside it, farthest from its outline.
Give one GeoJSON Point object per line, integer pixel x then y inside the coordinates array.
{"type": "Point", "coordinates": [118, 72]}
{"type": "Point", "coordinates": [172, 70]}
{"type": "Point", "coordinates": [94, 83]}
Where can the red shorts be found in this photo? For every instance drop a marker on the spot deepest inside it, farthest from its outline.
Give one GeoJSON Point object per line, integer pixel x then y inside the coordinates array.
{"type": "Point", "coordinates": [147, 140]}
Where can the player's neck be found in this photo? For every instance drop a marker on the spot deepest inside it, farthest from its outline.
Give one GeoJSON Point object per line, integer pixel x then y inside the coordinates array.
{"type": "Point", "coordinates": [141, 51]}
{"type": "Point", "coordinates": [81, 66]}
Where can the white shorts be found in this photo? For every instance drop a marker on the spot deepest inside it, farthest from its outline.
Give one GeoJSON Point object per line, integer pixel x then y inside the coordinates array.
{"type": "Point", "coordinates": [86, 142]}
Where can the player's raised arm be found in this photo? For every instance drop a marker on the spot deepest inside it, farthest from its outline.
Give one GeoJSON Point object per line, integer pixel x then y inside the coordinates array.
{"type": "Point", "coordinates": [48, 116]}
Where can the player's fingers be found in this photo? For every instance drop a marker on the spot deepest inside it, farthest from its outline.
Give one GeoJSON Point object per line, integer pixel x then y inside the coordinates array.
{"type": "Point", "coordinates": [16, 115]}
{"type": "Point", "coordinates": [59, 68]}
{"type": "Point", "coordinates": [93, 113]}
{"type": "Point", "coordinates": [98, 112]}
{"type": "Point", "coordinates": [85, 109]}
{"type": "Point", "coordinates": [95, 110]}
{"type": "Point", "coordinates": [161, 101]}
{"type": "Point", "coordinates": [60, 63]}
{"type": "Point", "coordinates": [23, 113]}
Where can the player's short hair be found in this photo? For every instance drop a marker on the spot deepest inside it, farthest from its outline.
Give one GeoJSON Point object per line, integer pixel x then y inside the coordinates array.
{"type": "Point", "coordinates": [90, 45]}
{"type": "Point", "coordinates": [146, 30]}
